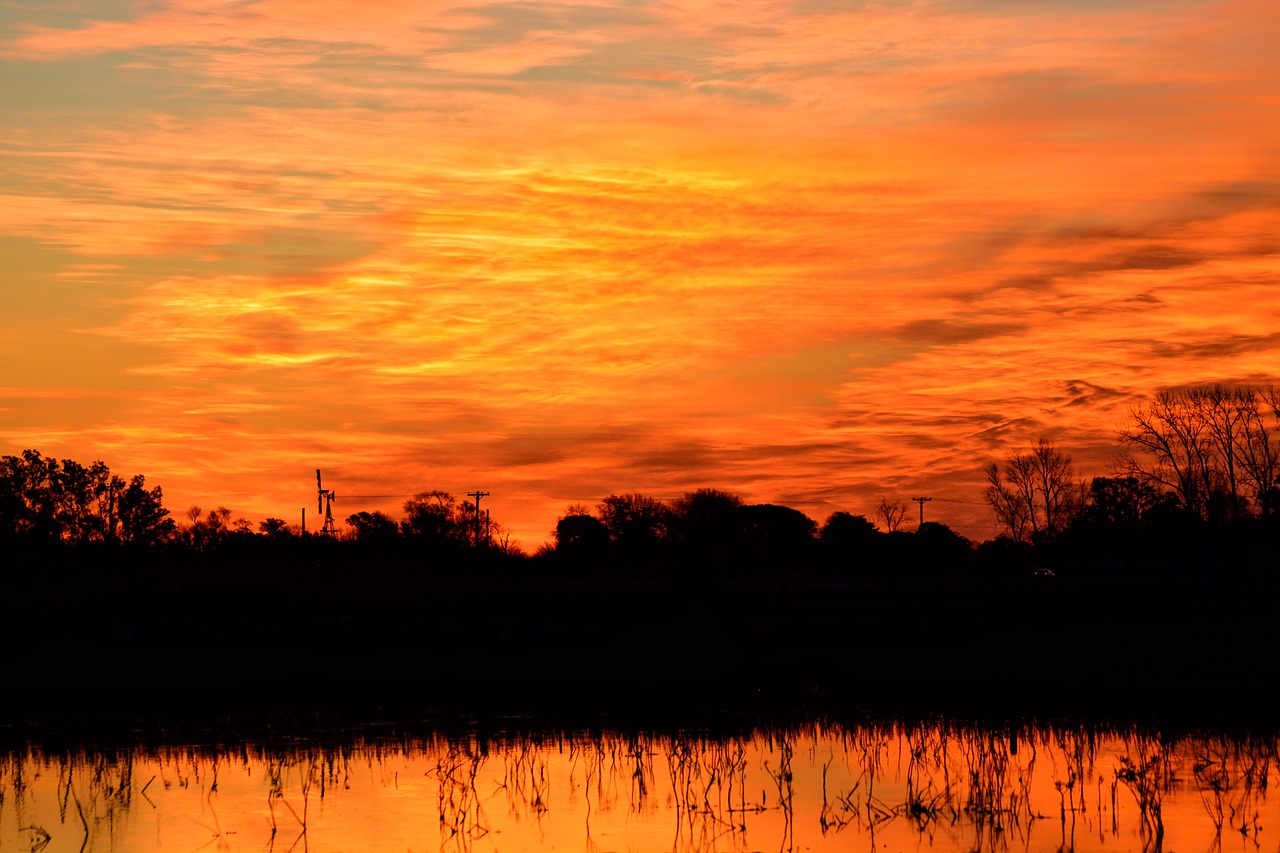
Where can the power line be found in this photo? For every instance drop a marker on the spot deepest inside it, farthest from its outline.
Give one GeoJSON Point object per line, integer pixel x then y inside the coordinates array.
{"type": "Point", "coordinates": [366, 497]}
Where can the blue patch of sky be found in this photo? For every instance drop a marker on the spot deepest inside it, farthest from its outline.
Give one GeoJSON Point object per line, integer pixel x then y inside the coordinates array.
{"type": "Point", "coordinates": [508, 23]}
{"type": "Point", "coordinates": [73, 14]}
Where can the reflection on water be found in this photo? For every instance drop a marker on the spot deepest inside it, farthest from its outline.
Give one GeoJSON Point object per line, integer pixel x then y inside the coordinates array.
{"type": "Point", "coordinates": [820, 788]}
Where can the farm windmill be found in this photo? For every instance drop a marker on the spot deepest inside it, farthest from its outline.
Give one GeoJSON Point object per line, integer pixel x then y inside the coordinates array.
{"type": "Point", "coordinates": [324, 504]}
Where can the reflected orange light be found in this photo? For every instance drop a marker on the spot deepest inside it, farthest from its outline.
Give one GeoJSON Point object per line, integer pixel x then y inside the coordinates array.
{"type": "Point", "coordinates": [821, 789]}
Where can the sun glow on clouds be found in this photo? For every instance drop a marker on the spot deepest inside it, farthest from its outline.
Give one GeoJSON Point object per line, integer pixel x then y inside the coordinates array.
{"type": "Point", "coordinates": [808, 252]}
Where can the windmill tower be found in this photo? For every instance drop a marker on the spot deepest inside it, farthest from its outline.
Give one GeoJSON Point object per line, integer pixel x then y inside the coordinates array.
{"type": "Point", "coordinates": [324, 506]}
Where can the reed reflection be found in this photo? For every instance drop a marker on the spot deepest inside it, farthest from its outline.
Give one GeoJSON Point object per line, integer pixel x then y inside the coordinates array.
{"type": "Point", "coordinates": [937, 786]}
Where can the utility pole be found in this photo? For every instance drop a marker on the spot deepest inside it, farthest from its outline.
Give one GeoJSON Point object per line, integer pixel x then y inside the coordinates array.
{"type": "Point", "coordinates": [922, 502]}
{"type": "Point", "coordinates": [477, 494]}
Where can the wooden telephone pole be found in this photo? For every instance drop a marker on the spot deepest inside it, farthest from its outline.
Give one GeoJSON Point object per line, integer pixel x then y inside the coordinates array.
{"type": "Point", "coordinates": [477, 494]}
{"type": "Point", "coordinates": [922, 502]}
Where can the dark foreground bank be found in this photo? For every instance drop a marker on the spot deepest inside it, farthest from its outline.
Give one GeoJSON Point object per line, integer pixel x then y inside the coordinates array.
{"type": "Point", "coordinates": [241, 645]}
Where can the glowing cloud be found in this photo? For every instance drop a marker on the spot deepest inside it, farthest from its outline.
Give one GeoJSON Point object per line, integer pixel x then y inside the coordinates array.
{"type": "Point", "coordinates": [809, 252]}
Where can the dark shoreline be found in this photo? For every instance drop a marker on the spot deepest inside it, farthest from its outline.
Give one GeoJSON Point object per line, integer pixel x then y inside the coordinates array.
{"type": "Point", "coordinates": [307, 648]}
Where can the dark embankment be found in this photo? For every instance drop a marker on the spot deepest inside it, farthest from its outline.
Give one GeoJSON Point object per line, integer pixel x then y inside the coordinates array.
{"type": "Point", "coordinates": [256, 641]}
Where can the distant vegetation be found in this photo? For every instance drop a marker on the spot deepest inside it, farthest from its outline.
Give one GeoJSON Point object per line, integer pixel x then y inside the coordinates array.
{"type": "Point", "coordinates": [1199, 487]}
{"type": "Point", "coordinates": [1123, 593]}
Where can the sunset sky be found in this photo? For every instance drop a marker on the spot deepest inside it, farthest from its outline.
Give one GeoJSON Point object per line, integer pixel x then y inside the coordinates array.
{"type": "Point", "coordinates": [811, 252]}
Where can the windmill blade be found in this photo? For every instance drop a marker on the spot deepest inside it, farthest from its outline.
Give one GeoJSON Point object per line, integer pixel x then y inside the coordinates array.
{"type": "Point", "coordinates": [318, 486]}
{"type": "Point", "coordinates": [319, 504]}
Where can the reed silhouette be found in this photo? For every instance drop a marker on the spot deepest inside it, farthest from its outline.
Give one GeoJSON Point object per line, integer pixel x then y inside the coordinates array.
{"type": "Point", "coordinates": [960, 786]}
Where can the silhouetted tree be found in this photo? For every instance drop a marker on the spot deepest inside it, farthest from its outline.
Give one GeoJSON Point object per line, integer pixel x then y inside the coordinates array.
{"type": "Point", "coordinates": [436, 517]}
{"type": "Point", "coordinates": [1004, 557]}
{"type": "Point", "coordinates": [938, 549]}
{"type": "Point", "coordinates": [41, 497]}
{"type": "Point", "coordinates": [1165, 431]}
{"type": "Point", "coordinates": [211, 531]}
{"type": "Point", "coordinates": [1061, 493]}
{"type": "Point", "coordinates": [431, 515]}
{"type": "Point", "coordinates": [843, 528]}
{"type": "Point", "coordinates": [1126, 522]}
{"type": "Point", "coordinates": [143, 518]}
{"type": "Point", "coordinates": [581, 539]}
{"type": "Point", "coordinates": [637, 524]}
{"type": "Point", "coordinates": [1035, 494]}
{"type": "Point", "coordinates": [1259, 448]}
{"type": "Point", "coordinates": [851, 541]}
{"type": "Point", "coordinates": [376, 527]}
{"type": "Point", "coordinates": [86, 501]}
{"type": "Point", "coordinates": [30, 501]}
{"type": "Point", "coordinates": [470, 526]}
{"type": "Point", "coordinates": [1009, 498]}
{"type": "Point", "coordinates": [775, 538]}
{"type": "Point", "coordinates": [1121, 502]}
{"type": "Point", "coordinates": [275, 528]}
{"type": "Point", "coordinates": [706, 526]}
{"type": "Point", "coordinates": [891, 513]}
{"type": "Point", "coordinates": [1214, 447]}
{"type": "Point", "coordinates": [501, 539]}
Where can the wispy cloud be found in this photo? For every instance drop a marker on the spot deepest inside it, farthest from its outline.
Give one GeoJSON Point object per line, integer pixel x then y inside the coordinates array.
{"type": "Point", "coordinates": [817, 252]}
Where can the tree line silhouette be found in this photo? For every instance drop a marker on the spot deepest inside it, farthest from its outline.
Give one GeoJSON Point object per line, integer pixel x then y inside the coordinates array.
{"type": "Point", "coordinates": [42, 499]}
{"type": "Point", "coordinates": [1211, 453]}
{"type": "Point", "coordinates": [1198, 484]}
{"type": "Point", "coordinates": [1126, 592]}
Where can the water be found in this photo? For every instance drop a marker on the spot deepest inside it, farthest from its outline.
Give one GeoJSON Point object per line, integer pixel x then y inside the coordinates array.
{"type": "Point", "coordinates": [816, 788]}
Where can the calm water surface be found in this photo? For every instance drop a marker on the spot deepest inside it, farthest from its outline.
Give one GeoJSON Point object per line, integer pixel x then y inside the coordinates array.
{"type": "Point", "coordinates": [818, 788]}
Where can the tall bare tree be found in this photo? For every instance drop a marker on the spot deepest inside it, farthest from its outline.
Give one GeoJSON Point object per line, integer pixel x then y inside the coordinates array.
{"type": "Point", "coordinates": [891, 513]}
{"type": "Point", "coordinates": [1214, 447]}
{"type": "Point", "coordinates": [1035, 493]}
{"type": "Point", "coordinates": [1056, 484]}
{"type": "Point", "coordinates": [1225, 412]}
{"type": "Point", "coordinates": [1172, 435]}
{"type": "Point", "coordinates": [1007, 503]}
{"type": "Point", "coordinates": [1258, 448]}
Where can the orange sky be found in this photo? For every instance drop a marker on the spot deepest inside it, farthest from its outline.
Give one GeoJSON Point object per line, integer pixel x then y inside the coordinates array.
{"type": "Point", "coordinates": [811, 252]}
